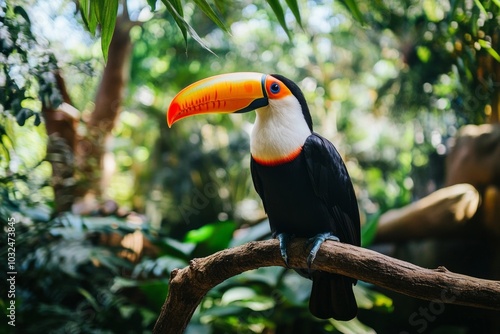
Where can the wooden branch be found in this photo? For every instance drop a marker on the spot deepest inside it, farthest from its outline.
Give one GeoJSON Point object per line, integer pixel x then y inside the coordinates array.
{"type": "Point", "coordinates": [189, 285]}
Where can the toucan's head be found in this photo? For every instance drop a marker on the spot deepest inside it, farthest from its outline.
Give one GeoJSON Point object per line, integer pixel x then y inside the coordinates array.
{"type": "Point", "coordinates": [238, 93]}
{"type": "Point", "coordinates": [283, 120]}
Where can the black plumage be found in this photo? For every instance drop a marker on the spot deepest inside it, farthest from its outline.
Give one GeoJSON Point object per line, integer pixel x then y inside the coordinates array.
{"type": "Point", "coordinates": [309, 195]}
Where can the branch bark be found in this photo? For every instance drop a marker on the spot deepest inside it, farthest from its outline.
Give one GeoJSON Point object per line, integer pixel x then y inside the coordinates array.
{"type": "Point", "coordinates": [189, 285]}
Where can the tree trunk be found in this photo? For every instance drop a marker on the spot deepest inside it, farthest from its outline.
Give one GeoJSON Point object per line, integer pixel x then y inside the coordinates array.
{"type": "Point", "coordinates": [92, 150]}
{"type": "Point", "coordinates": [61, 124]}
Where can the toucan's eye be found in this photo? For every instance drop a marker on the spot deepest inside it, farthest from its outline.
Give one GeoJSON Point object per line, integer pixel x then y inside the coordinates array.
{"type": "Point", "coordinates": [275, 88]}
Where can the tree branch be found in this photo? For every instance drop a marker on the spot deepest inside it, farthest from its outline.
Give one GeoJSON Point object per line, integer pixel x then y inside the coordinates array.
{"type": "Point", "coordinates": [189, 285]}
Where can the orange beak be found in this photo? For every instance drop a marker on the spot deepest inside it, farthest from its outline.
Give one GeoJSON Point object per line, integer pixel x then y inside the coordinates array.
{"type": "Point", "coordinates": [225, 93]}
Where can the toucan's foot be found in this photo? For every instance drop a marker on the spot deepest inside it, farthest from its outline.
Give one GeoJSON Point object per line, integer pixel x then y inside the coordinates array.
{"type": "Point", "coordinates": [284, 239]}
{"type": "Point", "coordinates": [316, 241]}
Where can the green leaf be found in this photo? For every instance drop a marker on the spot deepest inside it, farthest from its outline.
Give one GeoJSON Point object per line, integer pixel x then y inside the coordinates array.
{"type": "Point", "coordinates": [222, 311]}
{"type": "Point", "coordinates": [211, 238]}
{"type": "Point", "coordinates": [152, 4]}
{"type": "Point", "coordinates": [481, 7]}
{"type": "Point", "coordinates": [269, 276]}
{"type": "Point", "coordinates": [221, 6]}
{"type": "Point", "coordinates": [369, 231]}
{"type": "Point", "coordinates": [174, 7]}
{"type": "Point", "coordinates": [353, 8]}
{"type": "Point", "coordinates": [184, 248]}
{"type": "Point", "coordinates": [295, 289]}
{"type": "Point", "coordinates": [155, 292]}
{"type": "Point", "coordinates": [88, 296]}
{"type": "Point", "coordinates": [369, 299]}
{"type": "Point", "coordinates": [454, 6]}
{"type": "Point", "coordinates": [236, 294]}
{"type": "Point", "coordinates": [90, 20]}
{"type": "Point", "coordinates": [183, 25]}
{"type": "Point", "coordinates": [487, 46]}
{"type": "Point", "coordinates": [101, 12]}
{"type": "Point", "coordinates": [20, 11]}
{"type": "Point", "coordinates": [174, 247]}
{"type": "Point", "coordinates": [256, 232]}
{"type": "Point", "coordinates": [294, 7]}
{"type": "Point", "coordinates": [205, 7]}
{"type": "Point", "coordinates": [108, 10]}
{"type": "Point", "coordinates": [351, 327]}
{"type": "Point", "coordinates": [280, 15]}
{"type": "Point", "coordinates": [473, 19]}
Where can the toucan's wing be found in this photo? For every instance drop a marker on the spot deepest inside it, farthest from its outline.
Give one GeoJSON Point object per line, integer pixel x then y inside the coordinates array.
{"type": "Point", "coordinates": [332, 294]}
{"type": "Point", "coordinates": [257, 182]}
{"type": "Point", "coordinates": [333, 186]}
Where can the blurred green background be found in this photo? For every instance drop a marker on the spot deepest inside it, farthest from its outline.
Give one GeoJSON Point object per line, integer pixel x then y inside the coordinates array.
{"type": "Point", "coordinates": [99, 229]}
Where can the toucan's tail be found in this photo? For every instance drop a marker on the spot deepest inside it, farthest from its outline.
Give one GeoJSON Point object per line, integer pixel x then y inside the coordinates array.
{"type": "Point", "coordinates": [332, 297]}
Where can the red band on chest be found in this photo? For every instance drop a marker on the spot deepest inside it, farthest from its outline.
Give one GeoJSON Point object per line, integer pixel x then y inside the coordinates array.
{"type": "Point", "coordinates": [283, 160]}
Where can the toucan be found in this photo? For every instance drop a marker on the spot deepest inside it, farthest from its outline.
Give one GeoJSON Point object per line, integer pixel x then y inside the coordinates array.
{"type": "Point", "coordinates": [299, 175]}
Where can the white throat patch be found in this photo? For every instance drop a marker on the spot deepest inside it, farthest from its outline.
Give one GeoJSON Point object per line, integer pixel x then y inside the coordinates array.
{"type": "Point", "coordinates": [279, 130]}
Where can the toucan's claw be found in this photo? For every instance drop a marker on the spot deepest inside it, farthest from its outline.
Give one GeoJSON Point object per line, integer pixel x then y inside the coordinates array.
{"type": "Point", "coordinates": [316, 241]}
{"type": "Point", "coordinates": [284, 239]}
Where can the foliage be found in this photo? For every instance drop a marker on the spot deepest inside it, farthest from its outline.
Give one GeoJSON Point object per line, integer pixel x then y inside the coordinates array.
{"type": "Point", "coordinates": [67, 281]}
{"type": "Point", "coordinates": [448, 44]}
{"type": "Point", "coordinates": [26, 74]}
{"type": "Point", "coordinates": [389, 96]}
{"type": "Point", "coordinates": [26, 79]}
{"type": "Point", "coordinates": [102, 13]}
{"type": "Point", "coordinates": [95, 12]}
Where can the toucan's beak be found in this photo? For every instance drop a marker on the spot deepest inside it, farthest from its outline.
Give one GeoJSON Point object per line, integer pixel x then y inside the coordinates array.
{"type": "Point", "coordinates": [226, 93]}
